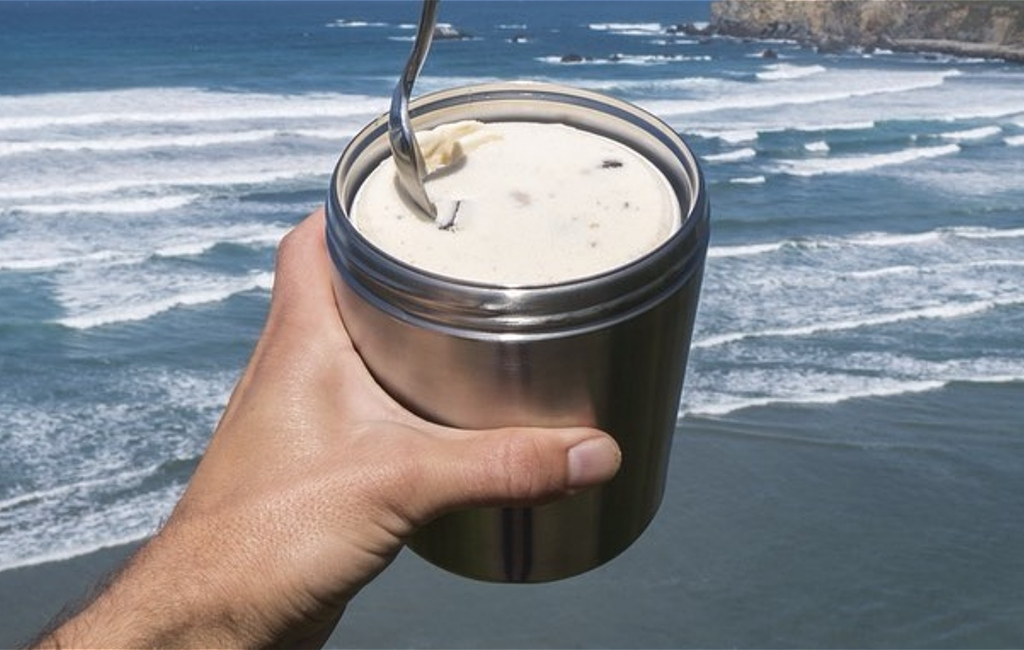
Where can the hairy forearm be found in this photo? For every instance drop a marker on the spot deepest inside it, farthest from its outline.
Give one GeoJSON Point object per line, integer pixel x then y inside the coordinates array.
{"type": "Point", "coordinates": [209, 579]}
{"type": "Point", "coordinates": [165, 596]}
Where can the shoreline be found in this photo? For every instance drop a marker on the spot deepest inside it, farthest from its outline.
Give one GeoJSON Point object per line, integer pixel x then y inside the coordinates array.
{"type": "Point", "coordinates": [957, 48]}
{"type": "Point", "coordinates": [921, 46]}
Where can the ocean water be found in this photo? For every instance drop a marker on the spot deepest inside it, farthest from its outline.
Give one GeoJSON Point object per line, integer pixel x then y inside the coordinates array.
{"type": "Point", "coordinates": [857, 371]}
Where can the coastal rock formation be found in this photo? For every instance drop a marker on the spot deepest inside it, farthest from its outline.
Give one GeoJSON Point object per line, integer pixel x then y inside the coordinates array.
{"type": "Point", "coordinates": [448, 32]}
{"type": "Point", "coordinates": [572, 57]}
{"type": "Point", "coordinates": [977, 28]}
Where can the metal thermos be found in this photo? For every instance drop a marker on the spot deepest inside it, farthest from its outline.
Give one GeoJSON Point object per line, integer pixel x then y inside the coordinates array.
{"type": "Point", "coordinates": [607, 351]}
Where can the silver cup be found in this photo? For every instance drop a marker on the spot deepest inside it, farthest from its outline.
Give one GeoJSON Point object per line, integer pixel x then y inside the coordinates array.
{"type": "Point", "coordinates": [608, 351]}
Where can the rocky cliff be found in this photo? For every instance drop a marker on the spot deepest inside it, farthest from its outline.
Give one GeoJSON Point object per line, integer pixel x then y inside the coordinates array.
{"type": "Point", "coordinates": [967, 28]}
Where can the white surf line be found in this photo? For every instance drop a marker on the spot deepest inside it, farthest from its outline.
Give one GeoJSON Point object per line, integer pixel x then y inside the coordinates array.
{"type": "Point", "coordinates": [144, 311]}
{"type": "Point", "coordinates": [117, 206]}
{"type": "Point", "coordinates": [862, 163]}
{"type": "Point", "coordinates": [198, 247]}
{"type": "Point", "coordinates": [745, 250]}
{"type": "Point", "coordinates": [728, 406]}
{"type": "Point", "coordinates": [77, 551]}
{"type": "Point", "coordinates": [936, 312]}
{"type": "Point", "coordinates": [747, 153]}
{"type": "Point", "coordinates": [979, 133]}
{"type": "Point", "coordinates": [108, 187]}
{"type": "Point", "coordinates": [136, 143]}
{"type": "Point", "coordinates": [795, 97]}
{"type": "Point", "coordinates": [102, 258]}
{"type": "Point", "coordinates": [283, 107]}
{"type": "Point", "coordinates": [869, 239]}
{"type": "Point", "coordinates": [787, 71]}
{"type": "Point", "coordinates": [118, 143]}
{"type": "Point", "coordinates": [270, 236]}
{"type": "Point", "coordinates": [904, 269]}
{"type": "Point", "coordinates": [61, 490]}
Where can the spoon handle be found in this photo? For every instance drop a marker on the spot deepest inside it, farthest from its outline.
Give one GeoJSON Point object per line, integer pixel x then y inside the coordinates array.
{"type": "Point", "coordinates": [404, 148]}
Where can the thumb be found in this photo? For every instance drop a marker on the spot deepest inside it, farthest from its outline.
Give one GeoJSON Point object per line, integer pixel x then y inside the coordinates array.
{"type": "Point", "coordinates": [513, 466]}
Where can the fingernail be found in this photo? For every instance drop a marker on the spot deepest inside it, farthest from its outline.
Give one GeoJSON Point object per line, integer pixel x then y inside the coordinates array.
{"type": "Point", "coordinates": [593, 461]}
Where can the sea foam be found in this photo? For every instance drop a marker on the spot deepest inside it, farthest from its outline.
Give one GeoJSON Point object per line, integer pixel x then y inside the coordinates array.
{"type": "Point", "coordinates": [737, 155]}
{"type": "Point", "coordinates": [300, 167]}
{"type": "Point", "coordinates": [945, 311]}
{"type": "Point", "coordinates": [760, 179]}
{"type": "Point", "coordinates": [769, 387]}
{"type": "Point", "coordinates": [136, 143]}
{"type": "Point", "coordinates": [863, 162]}
{"type": "Point", "coordinates": [118, 206]}
{"type": "Point", "coordinates": [629, 29]}
{"type": "Point", "coordinates": [147, 308]}
{"type": "Point", "coordinates": [835, 86]}
{"type": "Point", "coordinates": [342, 22]}
{"type": "Point", "coordinates": [980, 133]}
{"type": "Point", "coordinates": [781, 71]}
{"type": "Point", "coordinates": [744, 250]}
{"type": "Point", "coordinates": [148, 106]}
{"type": "Point", "coordinates": [925, 238]}
{"type": "Point", "coordinates": [839, 389]}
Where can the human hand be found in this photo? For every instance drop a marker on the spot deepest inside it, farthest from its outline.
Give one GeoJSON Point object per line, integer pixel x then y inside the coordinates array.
{"type": "Point", "coordinates": [311, 482]}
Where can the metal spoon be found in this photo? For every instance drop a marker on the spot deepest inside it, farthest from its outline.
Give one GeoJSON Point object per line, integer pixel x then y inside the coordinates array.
{"type": "Point", "coordinates": [406, 151]}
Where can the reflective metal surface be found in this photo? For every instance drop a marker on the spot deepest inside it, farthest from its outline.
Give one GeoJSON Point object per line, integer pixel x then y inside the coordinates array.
{"type": "Point", "coordinates": [607, 351]}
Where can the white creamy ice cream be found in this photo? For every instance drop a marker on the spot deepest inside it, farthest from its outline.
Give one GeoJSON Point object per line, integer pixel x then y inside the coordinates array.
{"type": "Point", "coordinates": [536, 204]}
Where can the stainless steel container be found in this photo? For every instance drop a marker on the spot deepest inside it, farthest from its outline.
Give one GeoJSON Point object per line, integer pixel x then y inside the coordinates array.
{"type": "Point", "coordinates": [607, 351]}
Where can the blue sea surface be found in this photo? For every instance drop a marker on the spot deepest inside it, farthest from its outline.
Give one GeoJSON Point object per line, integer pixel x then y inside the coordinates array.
{"type": "Point", "coordinates": [849, 464]}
